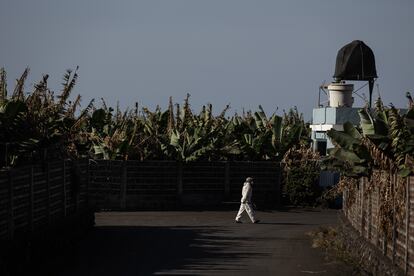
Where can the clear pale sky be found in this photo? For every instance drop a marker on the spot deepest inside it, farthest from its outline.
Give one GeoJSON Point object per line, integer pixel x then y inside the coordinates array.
{"type": "Point", "coordinates": [246, 53]}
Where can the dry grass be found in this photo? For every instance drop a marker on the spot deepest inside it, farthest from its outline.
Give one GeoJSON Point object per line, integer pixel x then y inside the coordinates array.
{"type": "Point", "coordinates": [329, 239]}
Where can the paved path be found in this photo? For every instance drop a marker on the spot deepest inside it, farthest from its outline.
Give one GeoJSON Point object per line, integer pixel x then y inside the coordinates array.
{"type": "Point", "coordinates": [203, 243]}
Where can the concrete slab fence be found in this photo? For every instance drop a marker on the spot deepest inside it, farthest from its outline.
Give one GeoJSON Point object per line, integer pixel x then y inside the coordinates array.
{"type": "Point", "coordinates": [132, 185]}
{"type": "Point", "coordinates": [363, 214]}
{"type": "Point", "coordinates": [35, 197]}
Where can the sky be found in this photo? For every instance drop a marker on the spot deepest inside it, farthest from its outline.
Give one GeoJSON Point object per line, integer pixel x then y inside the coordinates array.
{"type": "Point", "coordinates": [243, 53]}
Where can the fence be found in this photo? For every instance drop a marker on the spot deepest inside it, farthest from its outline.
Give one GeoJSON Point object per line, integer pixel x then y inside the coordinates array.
{"type": "Point", "coordinates": [125, 185]}
{"type": "Point", "coordinates": [35, 197]}
{"type": "Point", "coordinates": [32, 198]}
{"type": "Point", "coordinates": [363, 214]}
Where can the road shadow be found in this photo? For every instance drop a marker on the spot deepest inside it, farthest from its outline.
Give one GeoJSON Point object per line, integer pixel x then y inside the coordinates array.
{"type": "Point", "coordinates": [205, 244]}
{"type": "Point", "coordinates": [153, 251]}
{"type": "Point", "coordinates": [295, 209]}
{"type": "Point", "coordinates": [285, 223]}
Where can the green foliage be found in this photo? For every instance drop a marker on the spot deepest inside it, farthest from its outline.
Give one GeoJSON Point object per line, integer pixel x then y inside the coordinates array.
{"type": "Point", "coordinates": [350, 156]}
{"type": "Point", "coordinates": [383, 141]}
{"type": "Point", "coordinates": [301, 171]}
{"type": "Point", "coordinates": [39, 126]}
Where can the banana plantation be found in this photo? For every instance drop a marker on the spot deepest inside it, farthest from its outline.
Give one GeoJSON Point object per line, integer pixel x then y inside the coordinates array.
{"type": "Point", "coordinates": [42, 125]}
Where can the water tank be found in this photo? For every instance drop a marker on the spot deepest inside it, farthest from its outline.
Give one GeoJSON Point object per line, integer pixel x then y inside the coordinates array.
{"type": "Point", "coordinates": [340, 94]}
{"type": "Point", "coordinates": [355, 61]}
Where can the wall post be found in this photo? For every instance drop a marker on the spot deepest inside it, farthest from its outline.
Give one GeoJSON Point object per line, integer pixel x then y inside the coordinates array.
{"type": "Point", "coordinates": [179, 179]}
{"type": "Point", "coordinates": [378, 216]}
{"type": "Point", "coordinates": [11, 205]}
{"type": "Point", "coordinates": [123, 185]}
{"type": "Point", "coordinates": [48, 193]}
{"type": "Point", "coordinates": [394, 238]}
{"type": "Point", "coordinates": [369, 216]}
{"type": "Point", "coordinates": [344, 206]}
{"type": "Point", "coordinates": [227, 178]}
{"type": "Point", "coordinates": [64, 188]}
{"type": "Point", "coordinates": [31, 204]}
{"type": "Point", "coordinates": [407, 223]}
{"type": "Point", "coordinates": [361, 191]}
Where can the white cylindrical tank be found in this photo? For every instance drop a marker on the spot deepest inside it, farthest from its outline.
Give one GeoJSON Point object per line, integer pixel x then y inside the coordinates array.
{"type": "Point", "coordinates": [340, 94]}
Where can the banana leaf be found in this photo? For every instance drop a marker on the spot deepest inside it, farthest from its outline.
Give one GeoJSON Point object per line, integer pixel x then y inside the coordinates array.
{"type": "Point", "coordinates": [352, 131]}
{"type": "Point", "coordinates": [346, 156]}
{"type": "Point", "coordinates": [98, 118]}
{"type": "Point", "coordinates": [258, 120]}
{"type": "Point", "coordinates": [263, 116]}
{"type": "Point", "coordinates": [344, 140]}
{"type": "Point", "coordinates": [277, 128]}
{"type": "Point", "coordinates": [404, 171]}
{"type": "Point", "coordinates": [175, 138]}
{"type": "Point", "coordinates": [12, 108]}
{"type": "Point", "coordinates": [366, 122]}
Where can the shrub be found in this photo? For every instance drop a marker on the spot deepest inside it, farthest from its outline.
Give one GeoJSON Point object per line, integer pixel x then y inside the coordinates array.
{"type": "Point", "coordinates": [301, 171]}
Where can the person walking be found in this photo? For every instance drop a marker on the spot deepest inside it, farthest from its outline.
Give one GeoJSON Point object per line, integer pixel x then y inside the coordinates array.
{"type": "Point", "coordinates": [246, 201]}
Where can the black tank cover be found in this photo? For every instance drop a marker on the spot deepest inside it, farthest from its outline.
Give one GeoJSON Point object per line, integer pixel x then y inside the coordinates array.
{"type": "Point", "coordinates": [355, 61]}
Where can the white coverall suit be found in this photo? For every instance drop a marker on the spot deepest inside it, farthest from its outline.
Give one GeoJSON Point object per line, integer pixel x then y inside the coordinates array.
{"type": "Point", "coordinates": [246, 202]}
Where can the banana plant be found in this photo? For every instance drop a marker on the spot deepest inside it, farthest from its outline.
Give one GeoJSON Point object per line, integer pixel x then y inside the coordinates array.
{"type": "Point", "coordinates": [113, 136]}
{"type": "Point", "coordinates": [35, 126]}
{"type": "Point", "coordinates": [386, 137]}
{"type": "Point", "coordinates": [196, 136]}
{"type": "Point", "coordinates": [350, 156]}
{"type": "Point", "coordinates": [41, 126]}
